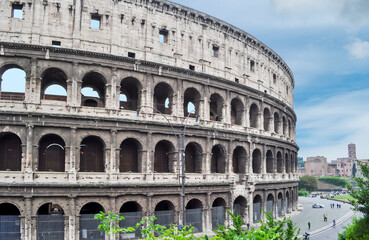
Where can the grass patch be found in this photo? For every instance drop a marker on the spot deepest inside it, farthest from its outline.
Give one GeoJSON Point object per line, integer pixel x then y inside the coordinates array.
{"type": "Point", "coordinates": [345, 197]}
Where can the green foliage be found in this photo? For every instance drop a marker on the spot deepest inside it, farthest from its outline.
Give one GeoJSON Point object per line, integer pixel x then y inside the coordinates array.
{"type": "Point", "coordinates": [269, 230]}
{"type": "Point", "coordinates": [110, 223]}
{"type": "Point", "coordinates": [354, 170]}
{"type": "Point", "coordinates": [310, 183]}
{"type": "Point", "coordinates": [337, 181]}
{"type": "Point", "coordinates": [357, 230]}
{"type": "Point", "coordinates": [361, 194]}
{"type": "Point", "coordinates": [303, 193]}
{"type": "Point", "coordinates": [149, 230]}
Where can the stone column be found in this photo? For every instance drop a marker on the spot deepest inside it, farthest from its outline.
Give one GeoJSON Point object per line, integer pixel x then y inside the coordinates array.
{"type": "Point", "coordinates": [72, 171]}
{"type": "Point", "coordinates": [247, 109]}
{"type": "Point", "coordinates": [206, 104]}
{"type": "Point", "coordinates": [229, 159]}
{"type": "Point", "coordinates": [76, 86]}
{"type": "Point", "coordinates": [179, 111]}
{"type": "Point", "coordinates": [72, 218]}
{"type": "Point", "coordinates": [112, 206]}
{"type": "Point", "coordinates": [113, 156]}
{"type": "Point", "coordinates": [29, 155]}
{"type": "Point", "coordinates": [208, 221]}
{"type": "Point", "coordinates": [207, 156]}
{"type": "Point", "coordinates": [70, 92]}
{"type": "Point", "coordinates": [263, 160]}
{"type": "Point", "coordinates": [275, 205]}
{"type": "Point", "coordinates": [148, 164]}
{"type": "Point", "coordinates": [28, 219]}
{"type": "Point", "coordinates": [1, 80]}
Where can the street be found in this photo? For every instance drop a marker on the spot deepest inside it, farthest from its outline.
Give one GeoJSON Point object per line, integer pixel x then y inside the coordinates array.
{"type": "Point", "coordinates": [320, 229]}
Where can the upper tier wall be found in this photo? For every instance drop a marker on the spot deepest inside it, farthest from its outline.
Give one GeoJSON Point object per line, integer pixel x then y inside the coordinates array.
{"type": "Point", "coordinates": [132, 27]}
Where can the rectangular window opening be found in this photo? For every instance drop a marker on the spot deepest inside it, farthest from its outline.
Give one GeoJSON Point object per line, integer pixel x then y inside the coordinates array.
{"type": "Point", "coordinates": [192, 67]}
{"type": "Point", "coordinates": [252, 66]}
{"type": "Point", "coordinates": [17, 11]}
{"type": "Point", "coordinates": [56, 43]}
{"type": "Point", "coordinates": [131, 55]}
{"type": "Point", "coordinates": [95, 21]}
{"type": "Point", "coordinates": [237, 80]}
{"type": "Point", "coordinates": [274, 78]}
{"type": "Point", "coordinates": [163, 36]}
{"type": "Point", "coordinates": [215, 51]}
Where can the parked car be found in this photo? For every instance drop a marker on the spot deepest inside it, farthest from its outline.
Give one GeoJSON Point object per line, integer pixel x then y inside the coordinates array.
{"type": "Point", "coordinates": [315, 205]}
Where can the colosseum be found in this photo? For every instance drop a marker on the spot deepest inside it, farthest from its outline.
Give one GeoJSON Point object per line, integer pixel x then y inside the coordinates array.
{"type": "Point", "coordinates": [152, 96]}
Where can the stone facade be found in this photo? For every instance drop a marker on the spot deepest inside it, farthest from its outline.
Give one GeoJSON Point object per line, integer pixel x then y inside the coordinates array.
{"type": "Point", "coordinates": [316, 166]}
{"type": "Point", "coordinates": [74, 155]}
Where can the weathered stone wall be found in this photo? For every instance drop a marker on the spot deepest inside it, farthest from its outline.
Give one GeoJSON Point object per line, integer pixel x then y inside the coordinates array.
{"type": "Point", "coordinates": [251, 122]}
{"type": "Point", "coordinates": [133, 26]}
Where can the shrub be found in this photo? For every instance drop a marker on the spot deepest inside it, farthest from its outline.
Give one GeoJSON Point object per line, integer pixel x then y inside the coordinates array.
{"type": "Point", "coordinates": [310, 183]}
{"type": "Point", "coordinates": [303, 193]}
{"type": "Point", "coordinates": [357, 230]}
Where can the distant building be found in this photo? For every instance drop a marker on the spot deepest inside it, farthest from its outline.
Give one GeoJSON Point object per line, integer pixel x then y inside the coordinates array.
{"type": "Point", "coordinates": [300, 162]}
{"type": "Point", "coordinates": [316, 166]}
{"type": "Point", "coordinates": [358, 169]}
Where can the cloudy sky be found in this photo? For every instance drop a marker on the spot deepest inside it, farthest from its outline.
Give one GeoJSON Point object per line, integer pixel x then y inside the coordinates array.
{"type": "Point", "coordinates": [326, 44]}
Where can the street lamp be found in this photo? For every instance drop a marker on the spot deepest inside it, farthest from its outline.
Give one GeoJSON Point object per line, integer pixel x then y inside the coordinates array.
{"type": "Point", "coordinates": [182, 173]}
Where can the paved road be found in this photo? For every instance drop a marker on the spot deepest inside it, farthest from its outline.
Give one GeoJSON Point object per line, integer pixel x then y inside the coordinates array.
{"type": "Point", "coordinates": [320, 229]}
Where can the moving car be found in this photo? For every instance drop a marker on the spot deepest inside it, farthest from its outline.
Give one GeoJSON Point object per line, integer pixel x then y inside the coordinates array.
{"type": "Point", "coordinates": [316, 205]}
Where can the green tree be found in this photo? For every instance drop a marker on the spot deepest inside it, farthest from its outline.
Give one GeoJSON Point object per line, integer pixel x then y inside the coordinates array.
{"type": "Point", "coordinates": [310, 183]}
{"type": "Point", "coordinates": [361, 193]}
{"type": "Point", "coordinates": [354, 170]}
{"type": "Point", "coordinates": [358, 230]}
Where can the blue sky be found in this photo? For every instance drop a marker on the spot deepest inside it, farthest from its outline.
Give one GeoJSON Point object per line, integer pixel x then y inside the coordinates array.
{"type": "Point", "coordinates": [326, 44]}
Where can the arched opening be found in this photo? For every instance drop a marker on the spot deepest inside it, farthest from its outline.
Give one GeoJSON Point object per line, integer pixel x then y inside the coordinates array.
{"type": "Point", "coordinates": [240, 207]}
{"type": "Point", "coordinates": [266, 120]}
{"type": "Point", "coordinates": [163, 157]}
{"type": "Point", "coordinates": [292, 163]}
{"type": "Point", "coordinates": [288, 163]}
{"type": "Point", "coordinates": [13, 83]}
{"type": "Point", "coordinates": [191, 102]}
{"type": "Point", "coordinates": [276, 122]}
{"type": "Point", "coordinates": [163, 98]}
{"type": "Point", "coordinates": [284, 122]}
{"type": "Point", "coordinates": [239, 160]}
{"type": "Point", "coordinates": [10, 152]}
{"type": "Point", "coordinates": [10, 227]}
{"type": "Point", "coordinates": [269, 162]}
{"type": "Point", "coordinates": [164, 212]}
{"type": "Point", "coordinates": [54, 85]}
{"type": "Point", "coordinates": [130, 91]}
{"type": "Point", "coordinates": [218, 158]}
{"type": "Point", "coordinates": [93, 90]}
{"type": "Point", "coordinates": [287, 202]}
{"type": "Point", "coordinates": [193, 158]}
{"type": "Point", "coordinates": [92, 155]}
{"type": "Point", "coordinates": [132, 212]}
{"type": "Point", "coordinates": [50, 221]}
{"type": "Point", "coordinates": [270, 204]}
{"type": "Point", "coordinates": [51, 154]}
{"type": "Point", "coordinates": [256, 161]}
{"type": "Point", "coordinates": [254, 116]}
{"type": "Point", "coordinates": [88, 225]}
{"type": "Point", "coordinates": [194, 214]}
{"type": "Point", "coordinates": [279, 162]}
{"type": "Point", "coordinates": [236, 111]}
{"type": "Point", "coordinates": [280, 199]}
{"type": "Point", "coordinates": [218, 213]}
{"type": "Point", "coordinates": [130, 156]}
{"type": "Point", "coordinates": [257, 209]}
{"type": "Point", "coordinates": [216, 107]}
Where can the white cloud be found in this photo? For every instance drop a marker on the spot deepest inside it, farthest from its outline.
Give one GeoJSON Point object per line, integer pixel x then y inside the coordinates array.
{"type": "Point", "coordinates": [325, 128]}
{"type": "Point", "coordinates": [359, 49]}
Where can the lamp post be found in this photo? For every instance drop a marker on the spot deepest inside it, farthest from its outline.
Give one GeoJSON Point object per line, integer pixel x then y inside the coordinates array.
{"type": "Point", "coordinates": [181, 173]}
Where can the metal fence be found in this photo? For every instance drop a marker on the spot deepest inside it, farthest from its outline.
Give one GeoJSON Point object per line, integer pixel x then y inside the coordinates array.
{"type": "Point", "coordinates": [279, 207]}
{"type": "Point", "coordinates": [257, 211]}
{"type": "Point", "coordinates": [131, 218]}
{"type": "Point", "coordinates": [88, 228]}
{"type": "Point", "coordinates": [194, 218]}
{"type": "Point", "coordinates": [218, 215]}
{"type": "Point", "coordinates": [10, 227]}
{"type": "Point", "coordinates": [50, 227]}
{"type": "Point", "coordinates": [237, 209]}
{"type": "Point", "coordinates": [269, 207]}
{"type": "Point", "coordinates": [164, 218]}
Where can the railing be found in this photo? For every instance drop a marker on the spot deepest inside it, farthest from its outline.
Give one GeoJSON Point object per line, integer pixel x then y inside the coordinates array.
{"type": "Point", "coordinates": [12, 96]}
